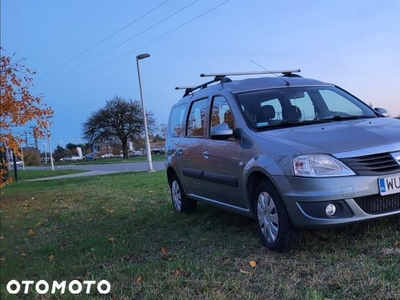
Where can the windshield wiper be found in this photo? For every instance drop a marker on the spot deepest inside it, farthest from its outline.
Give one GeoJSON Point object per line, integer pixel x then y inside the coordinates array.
{"type": "Point", "coordinates": [285, 123]}
{"type": "Point", "coordinates": [347, 117]}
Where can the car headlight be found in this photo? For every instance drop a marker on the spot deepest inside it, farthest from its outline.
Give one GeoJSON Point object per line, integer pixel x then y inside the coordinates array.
{"type": "Point", "coordinates": [319, 165]}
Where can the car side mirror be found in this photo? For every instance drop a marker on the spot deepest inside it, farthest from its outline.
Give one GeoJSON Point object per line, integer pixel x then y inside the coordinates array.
{"type": "Point", "coordinates": [382, 111]}
{"type": "Point", "coordinates": [221, 132]}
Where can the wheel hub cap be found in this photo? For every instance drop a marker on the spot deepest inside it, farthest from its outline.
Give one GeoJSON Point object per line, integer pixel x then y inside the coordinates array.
{"type": "Point", "coordinates": [267, 217]}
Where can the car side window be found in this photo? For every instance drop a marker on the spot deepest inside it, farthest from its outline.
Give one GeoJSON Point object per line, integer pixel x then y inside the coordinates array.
{"type": "Point", "coordinates": [177, 121]}
{"type": "Point", "coordinates": [196, 118]}
{"type": "Point", "coordinates": [221, 112]}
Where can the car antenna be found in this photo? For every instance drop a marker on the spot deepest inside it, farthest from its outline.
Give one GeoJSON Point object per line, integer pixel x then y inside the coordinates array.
{"type": "Point", "coordinates": [287, 83]}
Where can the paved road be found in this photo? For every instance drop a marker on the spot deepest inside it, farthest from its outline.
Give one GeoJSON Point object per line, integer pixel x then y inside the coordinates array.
{"type": "Point", "coordinates": [100, 169]}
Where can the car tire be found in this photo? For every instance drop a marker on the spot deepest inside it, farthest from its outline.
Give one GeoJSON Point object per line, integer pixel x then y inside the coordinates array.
{"type": "Point", "coordinates": [273, 222]}
{"type": "Point", "coordinates": [180, 201]}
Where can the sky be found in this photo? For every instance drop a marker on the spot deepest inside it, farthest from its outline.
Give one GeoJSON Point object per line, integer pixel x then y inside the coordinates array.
{"type": "Point", "coordinates": [84, 51]}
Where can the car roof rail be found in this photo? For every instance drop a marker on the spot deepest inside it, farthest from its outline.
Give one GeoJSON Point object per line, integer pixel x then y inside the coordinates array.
{"type": "Point", "coordinates": [190, 89]}
{"type": "Point", "coordinates": [284, 72]}
{"type": "Point", "coordinates": [222, 77]}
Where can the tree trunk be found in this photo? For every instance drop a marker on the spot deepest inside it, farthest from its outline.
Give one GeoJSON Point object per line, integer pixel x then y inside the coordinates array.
{"type": "Point", "coordinates": [125, 148]}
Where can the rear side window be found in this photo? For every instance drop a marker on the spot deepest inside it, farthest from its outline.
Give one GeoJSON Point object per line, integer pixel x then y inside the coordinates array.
{"type": "Point", "coordinates": [177, 121]}
{"type": "Point", "coordinates": [196, 118]}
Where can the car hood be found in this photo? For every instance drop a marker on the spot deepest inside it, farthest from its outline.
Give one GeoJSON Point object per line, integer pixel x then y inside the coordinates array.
{"type": "Point", "coordinates": [341, 136]}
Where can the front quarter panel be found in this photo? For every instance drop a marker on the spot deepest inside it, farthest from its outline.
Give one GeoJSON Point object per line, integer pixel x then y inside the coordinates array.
{"type": "Point", "coordinates": [265, 162]}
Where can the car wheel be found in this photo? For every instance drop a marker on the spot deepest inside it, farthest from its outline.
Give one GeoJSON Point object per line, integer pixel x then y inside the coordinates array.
{"type": "Point", "coordinates": [180, 201]}
{"type": "Point", "coordinates": [274, 225]}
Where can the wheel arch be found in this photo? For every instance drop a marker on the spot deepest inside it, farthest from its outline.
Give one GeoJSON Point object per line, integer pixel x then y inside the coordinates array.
{"type": "Point", "coordinates": [253, 181]}
{"type": "Point", "coordinates": [170, 172]}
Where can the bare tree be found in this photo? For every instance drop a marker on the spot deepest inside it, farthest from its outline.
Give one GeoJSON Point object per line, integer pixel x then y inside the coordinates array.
{"type": "Point", "coordinates": [118, 121]}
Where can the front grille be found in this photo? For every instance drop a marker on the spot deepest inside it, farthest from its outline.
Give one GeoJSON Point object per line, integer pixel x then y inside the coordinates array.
{"type": "Point", "coordinates": [377, 204]}
{"type": "Point", "coordinates": [375, 164]}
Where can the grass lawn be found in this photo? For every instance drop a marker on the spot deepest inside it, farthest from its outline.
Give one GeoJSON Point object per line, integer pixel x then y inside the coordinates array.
{"type": "Point", "coordinates": [121, 228]}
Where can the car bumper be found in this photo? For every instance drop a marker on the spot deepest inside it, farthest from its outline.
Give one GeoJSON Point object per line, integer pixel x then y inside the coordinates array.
{"type": "Point", "coordinates": [356, 199]}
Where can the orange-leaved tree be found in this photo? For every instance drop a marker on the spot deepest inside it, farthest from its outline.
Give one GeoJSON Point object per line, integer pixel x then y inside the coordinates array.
{"type": "Point", "coordinates": [17, 107]}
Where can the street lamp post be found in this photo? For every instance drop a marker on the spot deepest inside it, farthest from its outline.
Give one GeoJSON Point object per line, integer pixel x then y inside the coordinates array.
{"type": "Point", "coordinates": [148, 150]}
{"type": "Point", "coordinates": [49, 140]}
{"type": "Point", "coordinates": [45, 152]}
{"type": "Point", "coordinates": [51, 153]}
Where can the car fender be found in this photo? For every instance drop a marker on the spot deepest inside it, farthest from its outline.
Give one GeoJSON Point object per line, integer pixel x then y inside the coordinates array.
{"type": "Point", "coordinates": [264, 167]}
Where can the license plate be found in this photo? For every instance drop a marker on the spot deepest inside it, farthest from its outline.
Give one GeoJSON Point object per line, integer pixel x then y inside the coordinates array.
{"type": "Point", "coordinates": [389, 185]}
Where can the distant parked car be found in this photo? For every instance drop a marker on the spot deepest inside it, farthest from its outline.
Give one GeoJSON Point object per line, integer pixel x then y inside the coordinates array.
{"type": "Point", "coordinates": [89, 157]}
{"type": "Point", "coordinates": [107, 155]}
{"type": "Point", "coordinates": [19, 163]}
{"type": "Point", "coordinates": [76, 157]}
{"type": "Point", "coordinates": [135, 153]}
{"type": "Point", "coordinates": [45, 159]}
{"type": "Point", "coordinates": [66, 158]}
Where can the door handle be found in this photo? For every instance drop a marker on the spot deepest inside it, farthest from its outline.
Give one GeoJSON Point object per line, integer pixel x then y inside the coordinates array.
{"type": "Point", "coordinates": [206, 154]}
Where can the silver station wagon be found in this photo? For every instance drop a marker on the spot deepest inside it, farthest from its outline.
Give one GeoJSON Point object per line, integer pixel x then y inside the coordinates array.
{"type": "Point", "coordinates": [289, 151]}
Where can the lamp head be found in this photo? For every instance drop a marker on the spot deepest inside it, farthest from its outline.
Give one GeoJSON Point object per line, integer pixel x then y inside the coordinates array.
{"type": "Point", "coordinates": [143, 56]}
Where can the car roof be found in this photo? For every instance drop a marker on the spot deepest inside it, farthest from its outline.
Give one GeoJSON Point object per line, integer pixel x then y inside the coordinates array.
{"type": "Point", "coordinates": [250, 84]}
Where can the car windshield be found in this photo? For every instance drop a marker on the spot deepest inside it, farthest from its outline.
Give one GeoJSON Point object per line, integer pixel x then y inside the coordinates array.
{"type": "Point", "coordinates": [295, 106]}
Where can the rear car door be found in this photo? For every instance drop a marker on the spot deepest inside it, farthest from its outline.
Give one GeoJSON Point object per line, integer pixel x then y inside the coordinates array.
{"type": "Point", "coordinates": [191, 147]}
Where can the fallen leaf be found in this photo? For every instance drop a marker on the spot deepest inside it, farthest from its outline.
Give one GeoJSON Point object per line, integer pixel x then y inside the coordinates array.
{"type": "Point", "coordinates": [31, 232]}
{"type": "Point", "coordinates": [397, 243]}
{"type": "Point", "coordinates": [244, 272]}
{"type": "Point", "coordinates": [2, 259]}
{"type": "Point", "coordinates": [1, 237]}
{"type": "Point", "coordinates": [391, 251]}
{"type": "Point", "coordinates": [38, 224]}
{"type": "Point", "coordinates": [177, 272]}
{"type": "Point", "coordinates": [23, 254]}
{"type": "Point", "coordinates": [253, 263]}
{"type": "Point", "coordinates": [139, 279]}
{"type": "Point", "coordinates": [111, 240]}
{"type": "Point", "coordinates": [51, 257]}
{"type": "Point", "coordinates": [164, 250]}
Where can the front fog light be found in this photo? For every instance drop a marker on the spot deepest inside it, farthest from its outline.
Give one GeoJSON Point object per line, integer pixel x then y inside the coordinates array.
{"type": "Point", "coordinates": [330, 209]}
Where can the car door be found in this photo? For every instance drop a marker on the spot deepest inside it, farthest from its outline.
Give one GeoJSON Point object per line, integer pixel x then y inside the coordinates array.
{"type": "Point", "coordinates": [190, 148]}
{"type": "Point", "coordinates": [221, 163]}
